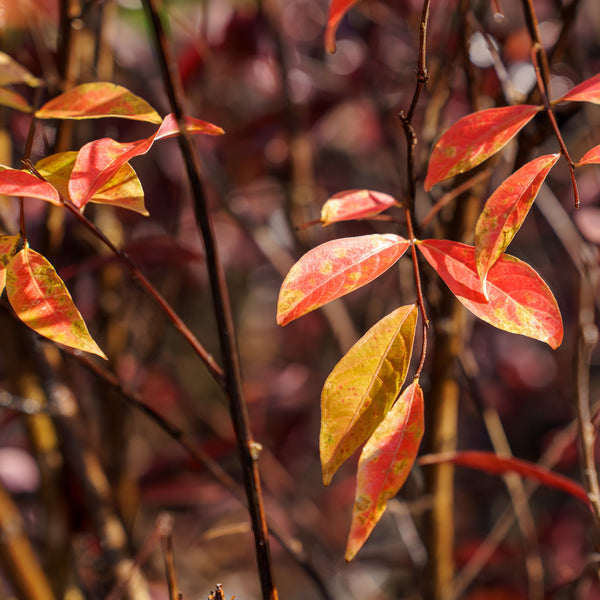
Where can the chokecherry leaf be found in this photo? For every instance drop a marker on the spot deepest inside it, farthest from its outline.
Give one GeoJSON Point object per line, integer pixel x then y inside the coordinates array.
{"type": "Point", "coordinates": [384, 464]}
{"type": "Point", "coordinates": [505, 211]}
{"type": "Point", "coordinates": [363, 385]}
{"type": "Point", "coordinates": [21, 183]}
{"type": "Point", "coordinates": [335, 269]}
{"type": "Point", "coordinates": [518, 301]}
{"type": "Point", "coordinates": [98, 100]}
{"type": "Point", "coordinates": [355, 204]}
{"type": "Point", "coordinates": [586, 91]}
{"type": "Point", "coordinates": [337, 10]}
{"type": "Point", "coordinates": [474, 138]}
{"type": "Point", "coordinates": [41, 300]}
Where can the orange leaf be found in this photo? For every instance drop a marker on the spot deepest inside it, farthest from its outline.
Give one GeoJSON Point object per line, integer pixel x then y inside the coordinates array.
{"type": "Point", "coordinates": [497, 465]}
{"type": "Point", "coordinates": [12, 72]}
{"type": "Point", "coordinates": [98, 100]}
{"type": "Point", "coordinates": [591, 157]}
{"type": "Point", "coordinates": [14, 100]}
{"type": "Point", "coordinates": [337, 10]}
{"type": "Point", "coordinates": [586, 91]}
{"type": "Point", "coordinates": [98, 161]}
{"type": "Point", "coordinates": [335, 269]}
{"type": "Point", "coordinates": [384, 465]}
{"type": "Point", "coordinates": [474, 138]}
{"type": "Point", "coordinates": [20, 183]}
{"type": "Point", "coordinates": [363, 385]}
{"type": "Point", "coordinates": [505, 211]}
{"type": "Point", "coordinates": [355, 204]}
{"type": "Point", "coordinates": [41, 300]}
{"type": "Point", "coordinates": [519, 300]}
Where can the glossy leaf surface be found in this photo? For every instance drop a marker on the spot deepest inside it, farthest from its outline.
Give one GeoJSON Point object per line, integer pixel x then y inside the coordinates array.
{"type": "Point", "coordinates": [591, 157]}
{"type": "Point", "coordinates": [474, 138]}
{"type": "Point", "coordinates": [505, 211]}
{"type": "Point", "coordinates": [98, 161]}
{"type": "Point", "coordinates": [13, 100]}
{"type": "Point", "coordinates": [363, 385]}
{"type": "Point", "coordinates": [335, 269]}
{"type": "Point", "coordinates": [123, 189]}
{"type": "Point", "coordinates": [496, 465]}
{"type": "Point", "coordinates": [41, 300]}
{"type": "Point", "coordinates": [355, 204]}
{"type": "Point", "coordinates": [20, 183]}
{"type": "Point", "coordinates": [98, 100]}
{"type": "Point", "coordinates": [337, 10]}
{"type": "Point", "coordinates": [12, 72]}
{"type": "Point", "coordinates": [384, 465]}
{"type": "Point", "coordinates": [586, 91]}
{"type": "Point", "coordinates": [519, 300]}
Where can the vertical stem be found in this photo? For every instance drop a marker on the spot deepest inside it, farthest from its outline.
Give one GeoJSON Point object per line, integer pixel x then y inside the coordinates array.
{"type": "Point", "coordinates": [233, 380]}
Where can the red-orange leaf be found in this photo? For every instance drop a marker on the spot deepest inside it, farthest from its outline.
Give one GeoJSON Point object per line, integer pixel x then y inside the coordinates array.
{"type": "Point", "coordinates": [497, 465]}
{"type": "Point", "coordinates": [519, 300]}
{"type": "Point", "coordinates": [334, 269]}
{"type": "Point", "coordinates": [505, 211]}
{"type": "Point", "coordinates": [363, 385]}
{"type": "Point", "coordinates": [41, 300]}
{"type": "Point", "coordinates": [20, 183]}
{"type": "Point", "coordinates": [586, 91]}
{"type": "Point", "coordinates": [474, 138]}
{"type": "Point", "coordinates": [355, 204]}
{"type": "Point", "coordinates": [98, 100]}
{"type": "Point", "coordinates": [337, 10]}
{"type": "Point", "coordinates": [591, 157]}
{"type": "Point", "coordinates": [98, 161]}
{"type": "Point", "coordinates": [384, 465]}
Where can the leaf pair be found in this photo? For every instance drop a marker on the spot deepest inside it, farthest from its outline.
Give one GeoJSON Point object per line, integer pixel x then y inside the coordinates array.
{"type": "Point", "coordinates": [39, 296]}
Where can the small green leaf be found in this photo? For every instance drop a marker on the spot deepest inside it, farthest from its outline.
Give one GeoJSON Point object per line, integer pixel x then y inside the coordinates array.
{"type": "Point", "coordinates": [363, 385]}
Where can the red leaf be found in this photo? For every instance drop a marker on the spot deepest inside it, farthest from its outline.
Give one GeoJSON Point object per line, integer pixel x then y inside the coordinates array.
{"type": "Point", "coordinates": [505, 211]}
{"type": "Point", "coordinates": [98, 161]}
{"type": "Point", "coordinates": [20, 183]}
{"type": "Point", "coordinates": [591, 157]}
{"type": "Point", "coordinates": [474, 138]}
{"type": "Point", "coordinates": [355, 204]}
{"type": "Point", "coordinates": [363, 385]}
{"type": "Point", "coordinates": [384, 465]}
{"type": "Point", "coordinates": [519, 300]}
{"type": "Point", "coordinates": [97, 100]}
{"type": "Point", "coordinates": [497, 465]}
{"type": "Point", "coordinates": [337, 10]}
{"type": "Point", "coordinates": [41, 300]}
{"type": "Point", "coordinates": [586, 91]}
{"type": "Point", "coordinates": [335, 269]}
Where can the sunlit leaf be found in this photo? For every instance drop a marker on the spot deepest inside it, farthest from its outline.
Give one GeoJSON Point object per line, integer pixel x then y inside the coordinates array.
{"type": "Point", "coordinates": [505, 211]}
{"type": "Point", "coordinates": [8, 248]}
{"type": "Point", "coordinates": [12, 72]}
{"type": "Point", "coordinates": [519, 300]}
{"type": "Point", "coordinates": [586, 91]}
{"type": "Point", "coordinates": [496, 465]}
{"type": "Point", "coordinates": [97, 100]}
{"type": "Point", "coordinates": [384, 465]}
{"type": "Point", "coordinates": [591, 157]}
{"type": "Point", "coordinates": [98, 161]}
{"type": "Point", "coordinates": [41, 300]}
{"type": "Point", "coordinates": [337, 10]}
{"type": "Point", "coordinates": [474, 138]}
{"type": "Point", "coordinates": [20, 183]}
{"type": "Point", "coordinates": [123, 189]}
{"type": "Point", "coordinates": [14, 100]}
{"type": "Point", "coordinates": [355, 204]}
{"type": "Point", "coordinates": [334, 269]}
{"type": "Point", "coordinates": [363, 385]}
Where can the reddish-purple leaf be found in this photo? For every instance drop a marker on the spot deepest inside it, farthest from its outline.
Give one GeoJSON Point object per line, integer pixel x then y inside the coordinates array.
{"type": "Point", "coordinates": [519, 300]}
{"type": "Point", "coordinates": [20, 183]}
{"type": "Point", "coordinates": [355, 204]}
{"type": "Point", "coordinates": [98, 100]}
{"type": "Point", "coordinates": [474, 138]}
{"type": "Point", "coordinates": [591, 157]}
{"type": "Point", "coordinates": [586, 91]}
{"type": "Point", "coordinates": [337, 10]}
{"type": "Point", "coordinates": [334, 269]}
{"type": "Point", "coordinates": [505, 211]}
{"type": "Point", "coordinates": [98, 161]}
{"type": "Point", "coordinates": [12, 72]}
{"type": "Point", "coordinates": [363, 385]}
{"type": "Point", "coordinates": [41, 300]}
{"type": "Point", "coordinates": [496, 465]}
{"type": "Point", "coordinates": [384, 465]}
